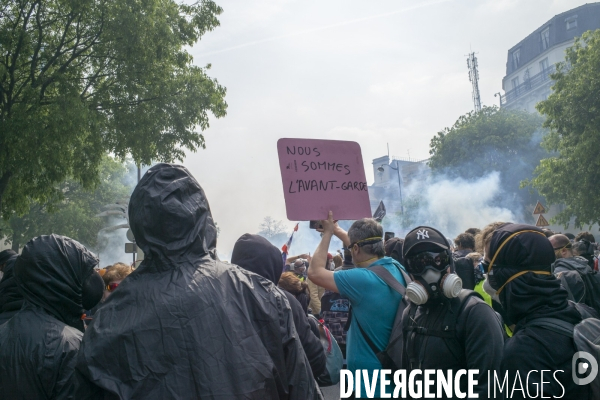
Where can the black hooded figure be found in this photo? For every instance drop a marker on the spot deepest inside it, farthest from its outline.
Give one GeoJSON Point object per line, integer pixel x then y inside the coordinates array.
{"type": "Point", "coordinates": [254, 253]}
{"type": "Point", "coordinates": [39, 344]}
{"type": "Point", "coordinates": [521, 257]}
{"type": "Point", "coordinates": [11, 299]}
{"type": "Point", "coordinates": [184, 325]}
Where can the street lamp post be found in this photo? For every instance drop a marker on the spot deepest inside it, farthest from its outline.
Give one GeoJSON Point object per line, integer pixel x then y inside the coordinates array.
{"type": "Point", "coordinates": [499, 95]}
{"type": "Point", "coordinates": [380, 169]}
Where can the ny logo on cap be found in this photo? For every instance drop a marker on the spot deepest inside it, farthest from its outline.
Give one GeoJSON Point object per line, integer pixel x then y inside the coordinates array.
{"type": "Point", "coordinates": [422, 234]}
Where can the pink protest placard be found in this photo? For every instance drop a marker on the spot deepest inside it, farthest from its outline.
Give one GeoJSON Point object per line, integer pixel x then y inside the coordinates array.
{"type": "Point", "coordinates": [323, 175]}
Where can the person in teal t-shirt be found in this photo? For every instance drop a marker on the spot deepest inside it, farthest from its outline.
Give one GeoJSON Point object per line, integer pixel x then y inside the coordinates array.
{"type": "Point", "coordinates": [374, 303]}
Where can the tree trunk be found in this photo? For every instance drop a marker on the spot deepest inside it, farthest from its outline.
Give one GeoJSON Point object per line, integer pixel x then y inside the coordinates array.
{"type": "Point", "coordinates": [15, 243]}
{"type": "Point", "coordinates": [3, 185]}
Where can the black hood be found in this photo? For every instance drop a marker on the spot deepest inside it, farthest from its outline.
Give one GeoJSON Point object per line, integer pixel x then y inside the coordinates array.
{"type": "Point", "coordinates": [515, 248]}
{"type": "Point", "coordinates": [6, 255]}
{"type": "Point", "coordinates": [11, 298]}
{"type": "Point", "coordinates": [530, 295]}
{"type": "Point", "coordinates": [50, 273]}
{"type": "Point", "coordinates": [531, 248]}
{"type": "Point", "coordinates": [255, 253]}
{"type": "Point", "coordinates": [170, 217]}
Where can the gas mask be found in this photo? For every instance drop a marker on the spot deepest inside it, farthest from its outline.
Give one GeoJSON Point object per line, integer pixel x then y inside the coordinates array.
{"type": "Point", "coordinates": [487, 287]}
{"type": "Point", "coordinates": [430, 277]}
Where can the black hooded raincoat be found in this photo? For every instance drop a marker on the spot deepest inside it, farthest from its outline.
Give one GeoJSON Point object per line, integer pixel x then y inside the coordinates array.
{"type": "Point", "coordinates": [255, 253]}
{"type": "Point", "coordinates": [185, 325]}
{"type": "Point", "coordinates": [11, 299]}
{"type": "Point", "coordinates": [39, 344]}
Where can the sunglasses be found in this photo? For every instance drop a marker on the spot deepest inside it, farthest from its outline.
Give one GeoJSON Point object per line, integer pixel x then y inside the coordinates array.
{"type": "Point", "coordinates": [418, 263]}
{"type": "Point", "coordinates": [112, 286]}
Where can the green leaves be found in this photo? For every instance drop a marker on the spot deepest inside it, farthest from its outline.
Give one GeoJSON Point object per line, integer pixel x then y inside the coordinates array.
{"type": "Point", "coordinates": [82, 78]}
{"type": "Point", "coordinates": [493, 139]}
{"type": "Point", "coordinates": [570, 177]}
{"type": "Point", "coordinates": [73, 211]}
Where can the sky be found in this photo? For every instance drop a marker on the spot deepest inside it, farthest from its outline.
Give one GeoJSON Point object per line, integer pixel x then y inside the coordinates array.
{"type": "Point", "coordinates": [374, 72]}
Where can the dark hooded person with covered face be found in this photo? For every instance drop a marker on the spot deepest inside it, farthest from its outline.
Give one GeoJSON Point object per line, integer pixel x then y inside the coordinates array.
{"type": "Point", "coordinates": [39, 344]}
{"type": "Point", "coordinates": [184, 325]}
{"type": "Point", "coordinates": [254, 253]}
{"type": "Point", "coordinates": [519, 259]}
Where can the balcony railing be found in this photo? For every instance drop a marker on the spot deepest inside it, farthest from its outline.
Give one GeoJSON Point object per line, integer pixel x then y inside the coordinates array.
{"type": "Point", "coordinates": [409, 159]}
{"type": "Point", "coordinates": [527, 86]}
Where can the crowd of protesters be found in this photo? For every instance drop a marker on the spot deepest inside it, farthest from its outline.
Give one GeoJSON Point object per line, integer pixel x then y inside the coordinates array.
{"type": "Point", "coordinates": [506, 298]}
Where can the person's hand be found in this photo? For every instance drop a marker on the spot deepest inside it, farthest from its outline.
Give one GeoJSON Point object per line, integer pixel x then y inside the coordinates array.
{"type": "Point", "coordinates": [329, 225]}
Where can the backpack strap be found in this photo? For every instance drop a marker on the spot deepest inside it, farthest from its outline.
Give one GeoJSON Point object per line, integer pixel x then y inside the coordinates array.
{"type": "Point", "coordinates": [447, 330]}
{"type": "Point", "coordinates": [449, 324]}
{"type": "Point", "coordinates": [389, 279]}
{"type": "Point", "coordinates": [552, 324]}
{"type": "Point", "coordinates": [394, 284]}
{"type": "Point", "coordinates": [368, 339]}
{"type": "Point", "coordinates": [565, 284]}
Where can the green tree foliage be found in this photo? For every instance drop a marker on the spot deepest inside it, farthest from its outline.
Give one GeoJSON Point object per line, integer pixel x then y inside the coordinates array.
{"type": "Point", "coordinates": [570, 176]}
{"type": "Point", "coordinates": [75, 214]}
{"type": "Point", "coordinates": [493, 139]}
{"type": "Point", "coordinates": [80, 78]}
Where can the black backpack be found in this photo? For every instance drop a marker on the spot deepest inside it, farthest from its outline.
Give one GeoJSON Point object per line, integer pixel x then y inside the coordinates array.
{"type": "Point", "coordinates": [585, 335]}
{"type": "Point", "coordinates": [391, 356]}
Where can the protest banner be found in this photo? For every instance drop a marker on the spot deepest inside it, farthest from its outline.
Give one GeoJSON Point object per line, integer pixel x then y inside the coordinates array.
{"type": "Point", "coordinates": [323, 175]}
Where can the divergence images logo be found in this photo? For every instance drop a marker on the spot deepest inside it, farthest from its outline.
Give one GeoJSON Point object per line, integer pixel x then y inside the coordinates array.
{"type": "Point", "coordinates": [582, 368]}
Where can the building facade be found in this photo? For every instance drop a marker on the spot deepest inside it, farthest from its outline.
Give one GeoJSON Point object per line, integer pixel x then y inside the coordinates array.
{"type": "Point", "coordinates": [531, 61]}
{"type": "Point", "coordinates": [391, 177]}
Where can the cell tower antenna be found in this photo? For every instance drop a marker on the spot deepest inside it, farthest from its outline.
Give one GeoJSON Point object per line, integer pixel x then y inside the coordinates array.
{"type": "Point", "coordinates": [474, 78]}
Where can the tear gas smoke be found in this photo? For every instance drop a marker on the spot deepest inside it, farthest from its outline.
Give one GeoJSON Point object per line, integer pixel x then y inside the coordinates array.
{"type": "Point", "coordinates": [451, 205]}
{"type": "Point", "coordinates": [111, 243]}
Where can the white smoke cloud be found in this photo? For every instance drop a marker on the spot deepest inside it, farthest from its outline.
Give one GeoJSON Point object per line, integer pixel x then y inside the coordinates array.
{"type": "Point", "coordinates": [456, 205]}
{"type": "Point", "coordinates": [451, 205]}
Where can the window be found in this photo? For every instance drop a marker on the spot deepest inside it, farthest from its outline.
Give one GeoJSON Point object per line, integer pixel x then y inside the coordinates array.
{"type": "Point", "coordinates": [571, 22]}
{"type": "Point", "coordinates": [526, 81]}
{"type": "Point", "coordinates": [544, 65]}
{"type": "Point", "coordinates": [515, 83]}
{"type": "Point", "coordinates": [516, 57]}
{"type": "Point", "coordinates": [545, 38]}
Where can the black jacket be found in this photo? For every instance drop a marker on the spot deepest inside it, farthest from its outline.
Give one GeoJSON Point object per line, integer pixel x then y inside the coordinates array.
{"type": "Point", "coordinates": [39, 345]}
{"type": "Point", "coordinates": [184, 325]}
{"type": "Point", "coordinates": [476, 344]}
{"type": "Point", "coordinates": [570, 270]}
{"type": "Point", "coordinates": [11, 299]}
{"type": "Point", "coordinates": [535, 348]}
{"type": "Point", "coordinates": [254, 253]}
